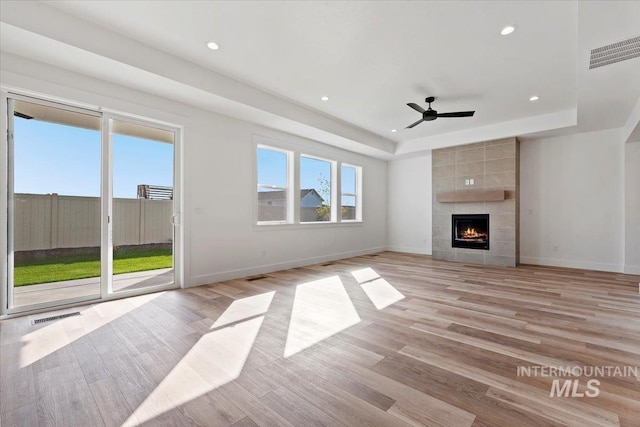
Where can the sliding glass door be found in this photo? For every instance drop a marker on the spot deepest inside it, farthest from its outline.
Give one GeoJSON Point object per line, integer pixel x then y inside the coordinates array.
{"type": "Point", "coordinates": [91, 209]}
{"type": "Point", "coordinates": [54, 205]}
{"type": "Point", "coordinates": [143, 187]}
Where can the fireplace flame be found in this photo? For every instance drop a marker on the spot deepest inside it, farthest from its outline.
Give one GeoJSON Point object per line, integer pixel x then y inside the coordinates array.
{"type": "Point", "coordinates": [471, 233]}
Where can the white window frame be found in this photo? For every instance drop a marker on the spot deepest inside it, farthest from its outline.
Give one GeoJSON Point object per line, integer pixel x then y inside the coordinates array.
{"type": "Point", "coordinates": [294, 153]}
{"type": "Point", "coordinates": [333, 178]}
{"type": "Point", "coordinates": [290, 183]}
{"type": "Point", "coordinates": [357, 194]}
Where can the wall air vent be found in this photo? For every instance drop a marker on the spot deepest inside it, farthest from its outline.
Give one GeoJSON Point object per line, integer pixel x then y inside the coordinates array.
{"type": "Point", "coordinates": [615, 52]}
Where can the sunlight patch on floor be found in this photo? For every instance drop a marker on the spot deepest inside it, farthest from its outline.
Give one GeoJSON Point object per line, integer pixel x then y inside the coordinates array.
{"type": "Point", "coordinates": [245, 308]}
{"type": "Point", "coordinates": [321, 309]}
{"type": "Point", "coordinates": [365, 275]}
{"type": "Point", "coordinates": [381, 293]}
{"type": "Point", "coordinates": [216, 359]}
{"type": "Point", "coordinates": [53, 336]}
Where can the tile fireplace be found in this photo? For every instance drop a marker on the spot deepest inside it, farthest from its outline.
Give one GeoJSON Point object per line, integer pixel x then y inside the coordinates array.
{"type": "Point", "coordinates": [475, 204]}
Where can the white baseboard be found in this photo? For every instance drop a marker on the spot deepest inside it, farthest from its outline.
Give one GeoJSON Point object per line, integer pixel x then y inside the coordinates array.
{"type": "Point", "coordinates": [410, 250]}
{"type": "Point", "coordinates": [269, 268]}
{"type": "Point", "coordinates": [569, 263]}
{"type": "Point", "coordinates": [632, 269]}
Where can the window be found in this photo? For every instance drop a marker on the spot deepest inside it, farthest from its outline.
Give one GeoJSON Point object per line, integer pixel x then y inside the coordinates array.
{"type": "Point", "coordinates": [301, 189]}
{"type": "Point", "coordinates": [273, 185]}
{"type": "Point", "coordinates": [315, 189]}
{"type": "Point", "coordinates": [349, 193]}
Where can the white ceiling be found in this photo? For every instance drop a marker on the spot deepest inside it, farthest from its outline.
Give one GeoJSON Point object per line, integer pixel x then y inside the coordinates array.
{"type": "Point", "coordinates": [371, 58]}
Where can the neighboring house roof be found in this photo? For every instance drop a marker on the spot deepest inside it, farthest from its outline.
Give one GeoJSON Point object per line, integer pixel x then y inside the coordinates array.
{"type": "Point", "coordinates": [312, 192]}
{"type": "Point", "coordinates": [280, 195]}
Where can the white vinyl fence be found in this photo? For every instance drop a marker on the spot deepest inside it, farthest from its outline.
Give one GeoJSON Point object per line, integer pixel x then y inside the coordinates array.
{"type": "Point", "coordinates": [55, 221]}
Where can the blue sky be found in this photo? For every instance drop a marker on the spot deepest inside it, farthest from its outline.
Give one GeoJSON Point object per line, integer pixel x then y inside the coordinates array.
{"type": "Point", "coordinates": [272, 167]}
{"type": "Point", "coordinates": [312, 172]}
{"type": "Point", "coordinates": [54, 158]}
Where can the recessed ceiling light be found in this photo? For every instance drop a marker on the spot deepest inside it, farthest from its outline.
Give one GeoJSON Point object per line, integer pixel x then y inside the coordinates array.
{"type": "Point", "coordinates": [508, 30]}
{"type": "Point", "coordinates": [534, 98]}
{"type": "Point", "coordinates": [394, 130]}
{"type": "Point", "coordinates": [325, 98]}
{"type": "Point", "coordinates": [213, 46]}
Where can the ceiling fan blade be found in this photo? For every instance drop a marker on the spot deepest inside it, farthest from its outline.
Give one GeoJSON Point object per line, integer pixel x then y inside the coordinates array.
{"type": "Point", "coordinates": [457, 114]}
{"type": "Point", "coordinates": [414, 124]}
{"type": "Point", "coordinates": [416, 107]}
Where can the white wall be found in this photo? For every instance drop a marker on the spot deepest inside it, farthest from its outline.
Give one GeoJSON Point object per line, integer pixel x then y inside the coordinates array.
{"type": "Point", "coordinates": [221, 241]}
{"type": "Point", "coordinates": [632, 207]}
{"type": "Point", "coordinates": [224, 243]}
{"type": "Point", "coordinates": [409, 209]}
{"type": "Point", "coordinates": [572, 201]}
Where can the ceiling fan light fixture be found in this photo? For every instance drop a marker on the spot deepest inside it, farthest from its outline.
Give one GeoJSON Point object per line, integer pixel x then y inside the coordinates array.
{"type": "Point", "coordinates": [534, 98]}
{"type": "Point", "coordinates": [213, 45]}
{"type": "Point", "coordinates": [430, 114]}
{"type": "Point", "coordinates": [509, 29]}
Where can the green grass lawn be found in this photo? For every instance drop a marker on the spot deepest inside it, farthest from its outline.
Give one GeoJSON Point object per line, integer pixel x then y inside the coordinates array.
{"type": "Point", "coordinates": [83, 266]}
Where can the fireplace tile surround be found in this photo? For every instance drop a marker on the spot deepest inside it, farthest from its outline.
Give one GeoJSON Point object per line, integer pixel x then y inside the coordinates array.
{"type": "Point", "coordinates": [493, 165]}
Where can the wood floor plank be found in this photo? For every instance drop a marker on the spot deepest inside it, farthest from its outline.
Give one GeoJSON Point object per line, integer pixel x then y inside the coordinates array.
{"type": "Point", "coordinates": [574, 411]}
{"type": "Point", "coordinates": [213, 408]}
{"type": "Point", "coordinates": [432, 411]}
{"type": "Point", "coordinates": [128, 374]}
{"type": "Point", "coordinates": [64, 398]}
{"type": "Point", "coordinates": [282, 400]}
{"type": "Point", "coordinates": [245, 422]}
{"type": "Point", "coordinates": [445, 354]}
{"type": "Point", "coordinates": [469, 395]}
{"type": "Point", "coordinates": [259, 412]}
{"type": "Point", "coordinates": [90, 362]}
{"type": "Point", "coordinates": [17, 383]}
{"type": "Point", "coordinates": [342, 405]}
{"type": "Point", "coordinates": [419, 416]}
{"type": "Point", "coordinates": [158, 411]}
{"type": "Point", "coordinates": [111, 403]}
{"type": "Point", "coordinates": [24, 416]}
{"type": "Point", "coordinates": [551, 413]}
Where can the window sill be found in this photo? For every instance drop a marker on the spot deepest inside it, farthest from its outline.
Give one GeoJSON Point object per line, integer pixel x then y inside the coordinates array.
{"type": "Point", "coordinates": [306, 225]}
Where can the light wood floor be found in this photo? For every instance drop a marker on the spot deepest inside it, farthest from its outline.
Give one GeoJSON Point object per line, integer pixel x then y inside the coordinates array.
{"type": "Point", "coordinates": [383, 340]}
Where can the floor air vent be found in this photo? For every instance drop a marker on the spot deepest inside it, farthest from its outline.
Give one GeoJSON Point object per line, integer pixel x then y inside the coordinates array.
{"type": "Point", "coordinates": [327, 264]}
{"type": "Point", "coordinates": [615, 52]}
{"type": "Point", "coordinates": [49, 319]}
{"type": "Point", "coordinates": [254, 278]}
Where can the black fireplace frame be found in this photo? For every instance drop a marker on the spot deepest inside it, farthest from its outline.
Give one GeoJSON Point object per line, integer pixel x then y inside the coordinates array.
{"type": "Point", "coordinates": [469, 245]}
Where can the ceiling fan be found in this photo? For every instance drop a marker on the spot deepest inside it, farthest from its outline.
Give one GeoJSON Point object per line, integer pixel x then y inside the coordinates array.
{"type": "Point", "coordinates": [429, 114]}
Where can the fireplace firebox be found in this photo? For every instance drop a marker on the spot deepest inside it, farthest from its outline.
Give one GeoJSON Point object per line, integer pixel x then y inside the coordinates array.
{"type": "Point", "coordinates": [470, 231]}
